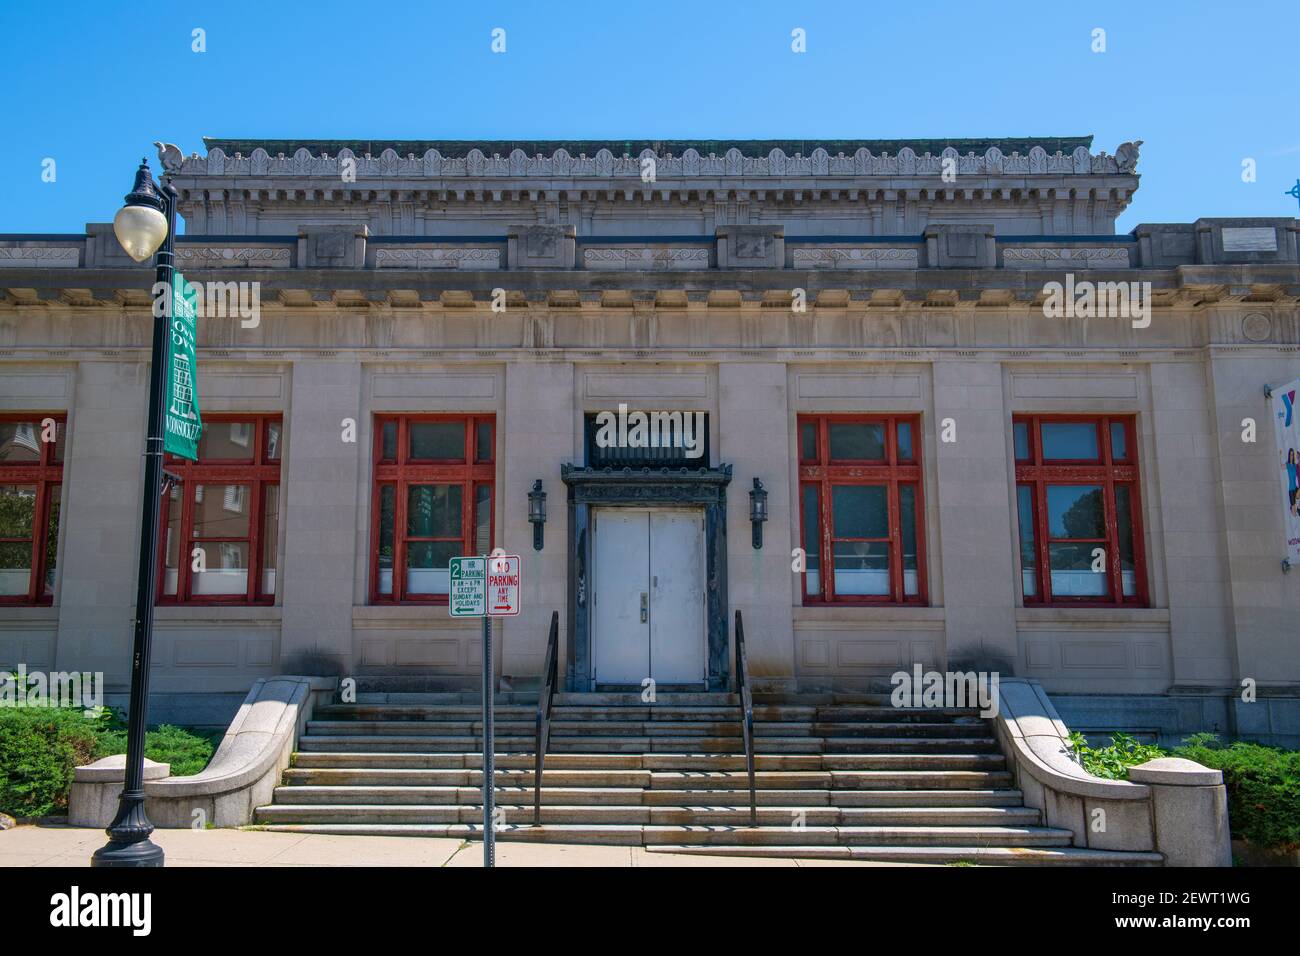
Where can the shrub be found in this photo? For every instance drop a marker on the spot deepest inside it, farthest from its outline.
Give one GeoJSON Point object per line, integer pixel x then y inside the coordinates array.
{"type": "Point", "coordinates": [188, 751]}
{"type": "Point", "coordinates": [1113, 762]}
{"type": "Point", "coordinates": [39, 747]}
{"type": "Point", "coordinates": [1263, 786]}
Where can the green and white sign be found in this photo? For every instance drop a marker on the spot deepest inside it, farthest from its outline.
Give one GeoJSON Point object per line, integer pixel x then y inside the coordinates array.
{"type": "Point", "coordinates": [467, 593]}
{"type": "Point", "coordinates": [181, 423]}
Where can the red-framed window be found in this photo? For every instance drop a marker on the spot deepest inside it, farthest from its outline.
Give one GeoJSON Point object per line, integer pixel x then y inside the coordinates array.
{"type": "Point", "coordinates": [432, 500]}
{"type": "Point", "coordinates": [861, 509]}
{"type": "Point", "coordinates": [221, 522]}
{"type": "Point", "coordinates": [31, 479]}
{"type": "Point", "coordinates": [1079, 510]}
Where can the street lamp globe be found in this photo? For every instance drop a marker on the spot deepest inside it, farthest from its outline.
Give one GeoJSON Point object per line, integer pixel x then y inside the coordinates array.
{"type": "Point", "coordinates": [140, 225]}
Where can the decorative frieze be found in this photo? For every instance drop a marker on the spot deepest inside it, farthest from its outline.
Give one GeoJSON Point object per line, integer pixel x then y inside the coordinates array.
{"type": "Point", "coordinates": [855, 257]}
{"type": "Point", "coordinates": [471, 259]}
{"type": "Point", "coordinates": [1066, 257]}
{"type": "Point", "coordinates": [40, 257]}
{"type": "Point", "coordinates": [233, 257]}
{"type": "Point", "coordinates": [645, 257]}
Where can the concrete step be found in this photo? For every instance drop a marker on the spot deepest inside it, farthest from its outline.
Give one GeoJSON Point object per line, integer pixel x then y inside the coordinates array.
{"type": "Point", "coordinates": [812, 782]}
{"type": "Point", "coordinates": [465, 697]}
{"type": "Point", "coordinates": [974, 838]}
{"type": "Point", "coordinates": [565, 729]}
{"type": "Point", "coordinates": [623, 699]}
{"type": "Point", "coordinates": [420, 728]}
{"type": "Point", "coordinates": [694, 815]}
{"type": "Point", "coordinates": [584, 787]}
{"type": "Point", "coordinates": [796, 788]}
{"type": "Point", "coordinates": [770, 796]}
{"type": "Point", "coordinates": [471, 695]}
{"type": "Point", "coordinates": [451, 761]}
{"type": "Point", "coordinates": [938, 855]}
{"type": "Point", "coordinates": [507, 795]}
{"type": "Point", "coordinates": [834, 762]}
{"type": "Point", "coordinates": [919, 766]}
{"type": "Point", "coordinates": [416, 779]}
{"type": "Point", "coordinates": [978, 836]}
{"type": "Point", "coordinates": [641, 711]}
{"type": "Point", "coordinates": [394, 743]}
{"type": "Point", "coordinates": [382, 711]}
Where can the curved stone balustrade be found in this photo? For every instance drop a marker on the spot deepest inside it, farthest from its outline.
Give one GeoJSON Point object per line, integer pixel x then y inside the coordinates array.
{"type": "Point", "coordinates": [1171, 806]}
{"type": "Point", "coordinates": [241, 776]}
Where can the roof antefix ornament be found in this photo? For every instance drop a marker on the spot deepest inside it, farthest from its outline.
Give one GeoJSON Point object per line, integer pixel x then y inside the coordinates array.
{"type": "Point", "coordinates": [426, 159]}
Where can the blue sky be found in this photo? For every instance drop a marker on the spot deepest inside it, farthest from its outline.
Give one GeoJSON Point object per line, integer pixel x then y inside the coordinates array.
{"type": "Point", "coordinates": [1205, 85]}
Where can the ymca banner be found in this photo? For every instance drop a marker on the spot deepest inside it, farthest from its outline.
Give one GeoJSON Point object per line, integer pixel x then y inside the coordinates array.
{"type": "Point", "coordinates": [181, 423]}
{"type": "Point", "coordinates": [1287, 420]}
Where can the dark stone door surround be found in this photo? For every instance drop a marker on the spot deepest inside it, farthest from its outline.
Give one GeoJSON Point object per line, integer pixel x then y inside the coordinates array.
{"type": "Point", "coordinates": [646, 487]}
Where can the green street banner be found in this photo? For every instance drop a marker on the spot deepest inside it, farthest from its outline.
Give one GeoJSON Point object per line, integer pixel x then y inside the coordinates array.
{"type": "Point", "coordinates": [181, 423]}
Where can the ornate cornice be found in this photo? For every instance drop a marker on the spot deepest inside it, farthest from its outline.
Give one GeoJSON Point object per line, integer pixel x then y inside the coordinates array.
{"type": "Point", "coordinates": [887, 158]}
{"type": "Point", "coordinates": [631, 147]}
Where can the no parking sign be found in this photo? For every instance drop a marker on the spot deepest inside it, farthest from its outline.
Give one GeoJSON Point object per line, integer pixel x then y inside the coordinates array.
{"type": "Point", "coordinates": [504, 572]}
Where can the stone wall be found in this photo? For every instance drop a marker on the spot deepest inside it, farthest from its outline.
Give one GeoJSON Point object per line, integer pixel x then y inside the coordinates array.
{"type": "Point", "coordinates": [345, 337]}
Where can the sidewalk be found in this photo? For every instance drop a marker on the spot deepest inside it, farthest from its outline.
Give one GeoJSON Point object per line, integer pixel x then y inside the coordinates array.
{"type": "Point", "coordinates": [56, 845]}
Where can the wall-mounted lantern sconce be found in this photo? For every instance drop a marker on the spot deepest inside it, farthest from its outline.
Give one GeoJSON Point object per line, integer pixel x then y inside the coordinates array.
{"type": "Point", "coordinates": [758, 511]}
{"type": "Point", "coordinates": [537, 514]}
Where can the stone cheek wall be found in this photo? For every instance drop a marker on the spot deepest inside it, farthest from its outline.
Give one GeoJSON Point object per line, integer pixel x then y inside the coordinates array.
{"type": "Point", "coordinates": [1171, 806]}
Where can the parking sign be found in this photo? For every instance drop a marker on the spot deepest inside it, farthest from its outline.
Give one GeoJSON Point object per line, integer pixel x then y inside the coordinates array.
{"type": "Point", "coordinates": [503, 577]}
{"type": "Point", "coordinates": [467, 594]}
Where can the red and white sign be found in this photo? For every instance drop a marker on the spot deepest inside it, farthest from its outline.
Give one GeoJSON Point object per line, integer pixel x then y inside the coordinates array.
{"type": "Point", "coordinates": [503, 577]}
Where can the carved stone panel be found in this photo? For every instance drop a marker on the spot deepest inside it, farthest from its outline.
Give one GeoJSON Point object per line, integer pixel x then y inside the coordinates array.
{"type": "Point", "coordinates": [541, 247]}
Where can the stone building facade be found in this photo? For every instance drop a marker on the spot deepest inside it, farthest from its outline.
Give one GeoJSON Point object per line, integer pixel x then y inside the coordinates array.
{"type": "Point", "coordinates": [863, 326]}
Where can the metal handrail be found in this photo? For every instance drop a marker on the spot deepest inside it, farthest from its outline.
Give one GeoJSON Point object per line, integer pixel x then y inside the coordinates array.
{"type": "Point", "coordinates": [746, 714]}
{"type": "Point", "coordinates": [545, 698]}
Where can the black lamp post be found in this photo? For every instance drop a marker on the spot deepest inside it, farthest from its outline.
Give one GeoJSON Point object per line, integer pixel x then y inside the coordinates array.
{"type": "Point", "coordinates": [537, 514]}
{"type": "Point", "coordinates": [146, 222]}
{"type": "Point", "coordinates": [758, 511]}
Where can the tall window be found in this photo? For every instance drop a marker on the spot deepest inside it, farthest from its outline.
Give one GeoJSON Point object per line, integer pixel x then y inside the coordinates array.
{"type": "Point", "coordinates": [31, 477]}
{"type": "Point", "coordinates": [1078, 510]}
{"type": "Point", "coordinates": [861, 509]}
{"type": "Point", "coordinates": [222, 521]}
{"type": "Point", "coordinates": [434, 477]}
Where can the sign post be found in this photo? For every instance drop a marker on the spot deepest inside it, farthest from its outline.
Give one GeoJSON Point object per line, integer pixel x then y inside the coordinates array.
{"type": "Point", "coordinates": [489, 752]}
{"type": "Point", "coordinates": [486, 587]}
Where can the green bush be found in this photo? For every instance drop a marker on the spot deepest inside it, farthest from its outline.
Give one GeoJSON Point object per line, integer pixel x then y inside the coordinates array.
{"type": "Point", "coordinates": [1263, 786]}
{"type": "Point", "coordinates": [39, 747]}
{"type": "Point", "coordinates": [188, 751]}
{"type": "Point", "coordinates": [1113, 762]}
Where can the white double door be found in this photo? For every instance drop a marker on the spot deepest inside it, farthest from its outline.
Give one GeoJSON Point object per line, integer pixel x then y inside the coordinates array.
{"type": "Point", "coordinates": [649, 596]}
